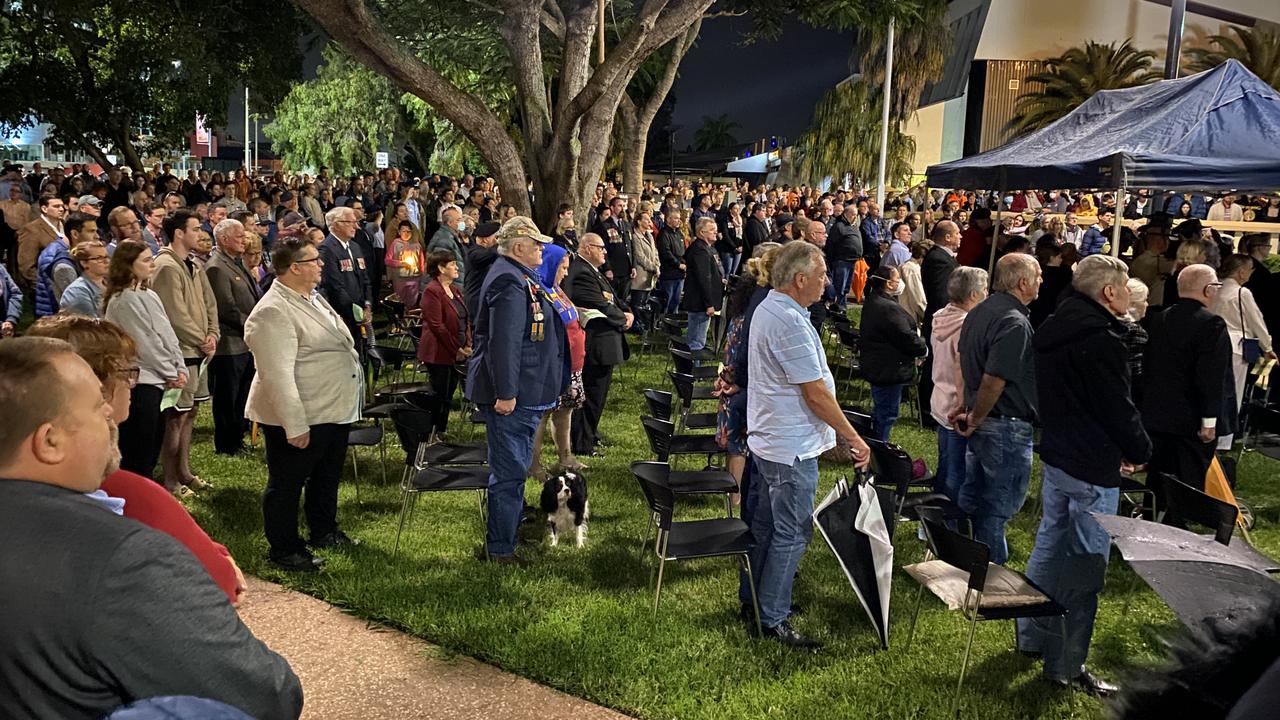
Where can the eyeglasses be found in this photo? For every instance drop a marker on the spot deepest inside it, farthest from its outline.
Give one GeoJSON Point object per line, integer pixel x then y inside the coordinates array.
{"type": "Point", "coordinates": [596, 245]}
{"type": "Point", "coordinates": [129, 375]}
{"type": "Point", "coordinates": [1212, 285]}
{"type": "Point", "coordinates": [97, 257]}
{"type": "Point", "coordinates": [315, 259]}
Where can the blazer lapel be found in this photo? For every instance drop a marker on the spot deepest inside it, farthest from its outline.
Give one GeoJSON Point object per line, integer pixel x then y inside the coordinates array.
{"type": "Point", "coordinates": [337, 327]}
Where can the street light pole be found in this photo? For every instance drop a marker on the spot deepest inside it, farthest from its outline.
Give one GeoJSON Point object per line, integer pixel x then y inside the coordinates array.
{"type": "Point", "coordinates": [884, 116]}
{"type": "Point", "coordinates": [1173, 51]}
{"type": "Point", "coordinates": [248, 163]}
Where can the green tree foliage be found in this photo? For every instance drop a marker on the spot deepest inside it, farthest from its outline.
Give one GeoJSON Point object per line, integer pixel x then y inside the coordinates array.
{"type": "Point", "coordinates": [1075, 76]}
{"type": "Point", "coordinates": [1257, 48]}
{"type": "Point", "coordinates": [111, 73]}
{"type": "Point", "coordinates": [715, 132]}
{"type": "Point", "coordinates": [844, 139]}
{"type": "Point", "coordinates": [922, 42]}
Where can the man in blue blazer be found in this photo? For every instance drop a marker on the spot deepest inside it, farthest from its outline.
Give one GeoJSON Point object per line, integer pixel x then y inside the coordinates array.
{"type": "Point", "coordinates": [519, 370]}
{"type": "Point", "coordinates": [345, 283]}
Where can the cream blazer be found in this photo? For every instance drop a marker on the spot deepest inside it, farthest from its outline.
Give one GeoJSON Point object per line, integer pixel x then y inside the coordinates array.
{"type": "Point", "coordinates": [308, 369]}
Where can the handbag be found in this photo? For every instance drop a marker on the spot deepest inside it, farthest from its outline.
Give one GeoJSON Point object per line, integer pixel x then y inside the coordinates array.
{"type": "Point", "coordinates": [1251, 348]}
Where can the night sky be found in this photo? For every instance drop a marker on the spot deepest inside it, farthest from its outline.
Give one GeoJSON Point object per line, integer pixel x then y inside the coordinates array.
{"type": "Point", "coordinates": [769, 88]}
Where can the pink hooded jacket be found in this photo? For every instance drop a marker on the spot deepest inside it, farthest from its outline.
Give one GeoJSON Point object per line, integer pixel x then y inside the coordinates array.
{"type": "Point", "coordinates": [946, 363]}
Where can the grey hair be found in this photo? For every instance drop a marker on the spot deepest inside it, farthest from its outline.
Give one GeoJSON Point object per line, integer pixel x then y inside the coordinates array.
{"type": "Point", "coordinates": [965, 282]}
{"type": "Point", "coordinates": [1013, 269]}
{"type": "Point", "coordinates": [445, 208]}
{"type": "Point", "coordinates": [792, 260]}
{"type": "Point", "coordinates": [1138, 290]}
{"type": "Point", "coordinates": [224, 227]}
{"type": "Point", "coordinates": [703, 222]}
{"type": "Point", "coordinates": [764, 247]}
{"type": "Point", "coordinates": [1098, 271]}
{"type": "Point", "coordinates": [336, 214]}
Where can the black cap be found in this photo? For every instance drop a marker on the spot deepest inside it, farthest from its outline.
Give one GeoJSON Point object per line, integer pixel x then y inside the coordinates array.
{"type": "Point", "coordinates": [487, 229]}
{"type": "Point", "coordinates": [286, 196]}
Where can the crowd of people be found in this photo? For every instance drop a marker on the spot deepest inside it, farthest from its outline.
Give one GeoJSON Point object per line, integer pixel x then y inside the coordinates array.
{"type": "Point", "coordinates": [258, 294]}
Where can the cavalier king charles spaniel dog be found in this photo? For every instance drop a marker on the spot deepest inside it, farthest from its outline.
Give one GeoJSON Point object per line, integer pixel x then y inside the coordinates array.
{"type": "Point", "coordinates": [564, 500]}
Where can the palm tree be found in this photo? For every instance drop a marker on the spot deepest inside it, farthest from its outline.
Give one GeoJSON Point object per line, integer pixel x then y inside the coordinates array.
{"type": "Point", "coordinates": [1075, 76]}
{"type": "Point", "coordinates": [716, 132]}
{"type": "Point", "coordinates": [844, 139]}
{"type": "Point", "coordinates": [1257, 48]}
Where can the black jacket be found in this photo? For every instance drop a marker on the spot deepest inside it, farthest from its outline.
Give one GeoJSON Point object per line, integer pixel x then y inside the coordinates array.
{"type": "Point", "coordinates": [1082, 380]}
{"type": "Point", "coordinates": [588, 289]}
{"type": "Point", "coordinates": [617, 246]}
{"type": "Point", "coordinates": [670, 254]}
{"type": "Point", "coordinates": [704, 280]}
{"type": "Point", "coordinates": [890, 343]}
{"type": "Point", "coordinates": [844, 241]}
{"type": "Point", "coordinates": [344, 281]}
{"type": "Point", "coordinates": [479, 260]}
{"type": "Point", "coordinates": [1188, 355]}
{"type": "Point", "coordinates": [935, 273]}
{"type": "Point", "coordinates": [754, 232]}
{"type": "Point", "coordinates": [1055, 286]}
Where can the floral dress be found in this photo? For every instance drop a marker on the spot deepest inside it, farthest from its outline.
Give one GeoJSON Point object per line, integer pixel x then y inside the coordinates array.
{"type": "Point", "coordinates": [731, 417]}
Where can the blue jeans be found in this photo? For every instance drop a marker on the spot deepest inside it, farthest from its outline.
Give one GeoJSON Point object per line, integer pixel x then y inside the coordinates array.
{"type": "Point", "coordinates": [510, 439]}
{"type": "Point", "coordinates": [950, 472]}
{"type": "Point", "coordinates": [782, 526]}
{"type": "Point", "coordinates": [886, 401]}
{"type": "Point", "coordinates": [997, 472]}
{"type": "Point", "coordinates": [697, 334]}
{"type": "Point", "coordinates": [729, 262]}
{"type": "Point", "coordinates": [842, 278]}
{"type": "Point", "coordinates": [751, 490]}
{"type": "Point", "coordinates": [670, 291]}
{"type": "Point", "coordinates": [1070, 564]}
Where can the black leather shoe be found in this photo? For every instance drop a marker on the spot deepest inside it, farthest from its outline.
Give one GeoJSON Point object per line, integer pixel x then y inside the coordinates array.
{"type": "Point", "coordinates": [1091, 684]}
{"type": "Point", "coordinates": [788, 637]}
{"type": "Point", "coordinates": [337, 538]}
{"type": "Point", "coordinates": [297, 562]}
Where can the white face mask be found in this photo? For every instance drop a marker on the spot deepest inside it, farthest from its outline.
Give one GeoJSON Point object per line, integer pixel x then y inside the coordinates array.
{"type": "Point", "coordinates": [897, 290]}
{"type": "Point", "coordinates": [462, 227]}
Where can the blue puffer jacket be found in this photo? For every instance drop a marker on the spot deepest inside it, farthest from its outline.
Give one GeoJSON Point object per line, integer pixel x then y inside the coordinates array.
{"type": "Point", "coordinates": [50, 257]}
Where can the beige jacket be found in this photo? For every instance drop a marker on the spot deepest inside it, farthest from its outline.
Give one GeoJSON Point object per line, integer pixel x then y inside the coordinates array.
{"type": "Point", "coordinates": [308, 370]}
{"type": "Point", "coordinates": [188, 301]}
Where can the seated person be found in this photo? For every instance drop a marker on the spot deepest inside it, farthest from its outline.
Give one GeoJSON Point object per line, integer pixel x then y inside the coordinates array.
{"type": "Point", "coordinates": [98, 611]}
{"type": "Point", "coordinates": [111, 355]}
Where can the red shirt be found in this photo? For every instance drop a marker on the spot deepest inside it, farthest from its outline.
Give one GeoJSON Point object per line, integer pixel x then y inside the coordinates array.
{"type": "Point", "coordinates": [150, 504]}
{"type": "Point", "coordinates": [974, 248]}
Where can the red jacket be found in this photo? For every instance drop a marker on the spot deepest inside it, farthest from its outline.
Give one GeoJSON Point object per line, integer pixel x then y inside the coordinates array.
{"type": "Point", "coordinates": [975, 247]}
{"type": "Point", "coordinates": [150, 504]}
{"type": "Point", "coordinates": [441, 325]}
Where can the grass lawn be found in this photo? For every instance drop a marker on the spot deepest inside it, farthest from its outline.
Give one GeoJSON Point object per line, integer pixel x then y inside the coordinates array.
{"type": "Point", "coordinates": [582, 621]}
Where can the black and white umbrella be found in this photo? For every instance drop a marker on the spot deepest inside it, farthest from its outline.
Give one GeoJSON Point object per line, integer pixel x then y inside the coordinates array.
{"type": "Point", "coordinates": [854, 523]}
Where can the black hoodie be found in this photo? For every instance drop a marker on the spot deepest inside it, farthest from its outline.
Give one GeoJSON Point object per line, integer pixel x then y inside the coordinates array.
{"type": "Point", "coordinates": [1082, 379]}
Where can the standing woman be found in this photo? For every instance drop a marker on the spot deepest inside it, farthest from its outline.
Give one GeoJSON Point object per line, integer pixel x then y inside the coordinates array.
{"type": "Point", "coordinates": [644, 259]}
{"type": "Point", "coordinates": [729, 244]}
{"type": "Point", "coordinates": [671, 266]}
{"type": "Point", "coordinates": [555, 265]}
{"type": "Point", "coordinates": [446, 334]}
{"type": "Point", "coordinates": [891, 348]}
{"type": "Point", "coordinates": [912, 298]}
{"type": "Point", "coordinates": [129, 302]}
{"type": "Point", "coordinates": [1234, 303]}
{"type": "Point", "coordinates": [84, 295]}
{"type": "Point", "coordinates": [406, 263]}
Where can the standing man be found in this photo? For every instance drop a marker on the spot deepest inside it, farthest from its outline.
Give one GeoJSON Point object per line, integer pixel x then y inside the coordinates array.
{"type": "Point", "coordinates": [231, 370]}
{"type": "Point", "coordinates": [703, 282]}
{"type": "Point", "coordinates": [844, 249]}
{"type": "Point", "coordinates": [36, 235]}
{"type": "Point", "coordinates": [935, 274]}
{"type": "Point", "coordinates": [481, 253]}
{"type": "Point", "coordinates": [792, 418]}
{"type": "Point", "coordinates": [617, 244]}
{"type": "Point", "coordinates": [1185, 370]}
{"type": "Point", "coordinates": [153, 231]}
{"type": "Point", "coordinates": [1091, 430]}
{"type": "Point", "coordinates": [606, 344]}
{"type": "Point", "coordinates": [997, 366]}
{"type": "Point", "coordinates": [519, 370]}
{"type": "Point", "coordinates": [899, 246]}
{"type": "Point", "coordinates": [450, 237]}
{"type": "Point", "coordinates": [310, 206]}
{"type": "Point", "coordinates": [872, 231]}
{"type": "Point", "coordinates": [756, 230]}
{"type": "Point", "coordinates": [1097, 238]}
{"type": "Point", "coordinates": [193, 312]}
{"type": "Point", "coordinates": [345, 282]}
{"type": "Point", "coordinates": [305, 395]}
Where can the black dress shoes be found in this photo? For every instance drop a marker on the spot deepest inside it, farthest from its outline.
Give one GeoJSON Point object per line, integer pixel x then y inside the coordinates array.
{"type": "Point", "coordinates": [301, 561]}
{"type": "Point", "coordinates": [337, 538]}
{"type": "Point", "coordinates": [788, 637]}
{"type": "Point", "coordinates": [1091, 684]}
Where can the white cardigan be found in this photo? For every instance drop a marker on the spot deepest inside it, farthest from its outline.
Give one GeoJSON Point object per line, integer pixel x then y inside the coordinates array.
{"type": "Point", "coordinates": [1233, 302]}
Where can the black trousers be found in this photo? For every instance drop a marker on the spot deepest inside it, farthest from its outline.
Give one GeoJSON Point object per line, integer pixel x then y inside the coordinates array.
{"type": "Point", "coordinates": [1181, 456]}
{"type": "Point", "coordinates": [444, 381]}
{"type": "Point", "coordinates": [317, 467]}
{"type": "Point", "coordinates": [586, 419]}
{"type": "Point", "coordinates": [926, 381]}
{"type": "Point", "coordinates": [142, 433]}
{"type": "Point", "coordinates": [229, 379]}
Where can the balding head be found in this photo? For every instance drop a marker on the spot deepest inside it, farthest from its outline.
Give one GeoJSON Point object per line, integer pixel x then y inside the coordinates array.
{"type": "Point", "coordinates": [1199, 283]}
{"type": "Point", "coordinates": [1019, 275]}
{"type": "Point", "coordinates": [946, 234]}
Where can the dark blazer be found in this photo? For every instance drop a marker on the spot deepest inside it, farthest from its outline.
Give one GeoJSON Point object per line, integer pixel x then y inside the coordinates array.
{"type": "Point", "coordinates": [753, 233]}
{"type": "Point", "coordinates": [1082, 380]}
{"type": "Point", "coordinates": [508, 363]}
{"type": "Point", "coordinates": [704, 280]}
{"type": "Point", "coordinates": [236, 292]}
{"type": "Point", "coordinates": [441, 325]}
{"type": "Point", "coordinates": [935, 273]}
{"type": "Point", "coordinates": [670, 254]}
{"type": "Point", "coordinates": [889, 341]}
{"type": "Point", "coordinates": [617, 246]}
{"type": "Point", "coordinates": [479, 260]}
{"type": "Point", "coordinates": [588, 290]}
{"type": "Point", "coordinates": [344, 281]}
{"type": "Point", "coordinates": [1188, 355]}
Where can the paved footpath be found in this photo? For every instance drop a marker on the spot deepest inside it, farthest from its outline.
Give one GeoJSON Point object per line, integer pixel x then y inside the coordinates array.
{"type": "Point", "coordinates": [350, 669]}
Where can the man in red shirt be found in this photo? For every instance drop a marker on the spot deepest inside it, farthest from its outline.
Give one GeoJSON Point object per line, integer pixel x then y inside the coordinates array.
{"type": "Point", "coordinates": [975, 241]}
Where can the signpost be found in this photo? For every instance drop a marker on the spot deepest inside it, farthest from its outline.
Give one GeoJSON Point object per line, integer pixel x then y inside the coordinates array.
{"type": "Point", "coordinates": [381, 160]}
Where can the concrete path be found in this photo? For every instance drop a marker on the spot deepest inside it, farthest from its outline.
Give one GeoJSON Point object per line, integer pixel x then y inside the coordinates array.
{"type": "Point", "coordinates": [352, 670]}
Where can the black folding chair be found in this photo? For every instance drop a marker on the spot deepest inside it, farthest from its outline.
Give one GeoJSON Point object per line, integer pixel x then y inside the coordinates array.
{"type": "Point", "coordinates": [365, 436]}
{"type": "Point", "coordinates": [666, 444]}
{"type": "Point", "coordinates": [893, 466]}
{"type": "Point", "coordinates": [689, 391]}
{"type": "Point", "coordinates": [990, 592]}
{"type": "Point", "coordinates": [659, 403]}
{"type": "Point", "coordinates": [683, 362]}
{"type": "Point", "coordinates": [1189, 504]}
{"type": "Point", "coordinates": [693, 539]}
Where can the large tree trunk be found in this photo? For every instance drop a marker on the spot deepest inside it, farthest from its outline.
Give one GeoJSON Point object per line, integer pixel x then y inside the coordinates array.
{"type": "Point", "coordinates": [637, 121]}
{"type": "Point", "coordinates": [124, 144]}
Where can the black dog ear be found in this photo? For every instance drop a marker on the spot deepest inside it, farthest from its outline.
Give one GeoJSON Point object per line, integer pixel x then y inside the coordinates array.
{"type": "Point", "coordinates": [577, 497]}
{"type": "Point", "coordinates": [548, 500]}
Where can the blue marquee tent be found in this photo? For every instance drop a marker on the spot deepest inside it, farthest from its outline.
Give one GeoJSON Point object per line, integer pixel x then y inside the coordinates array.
{"type": "Point", "coordinates": [1218, 129]}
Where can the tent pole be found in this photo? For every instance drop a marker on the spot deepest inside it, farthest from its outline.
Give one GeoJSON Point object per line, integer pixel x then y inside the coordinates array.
{"type": "Point", "coordinates": [995, 236]}
{"type": "Point", "coordinates": [1115, 228]}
